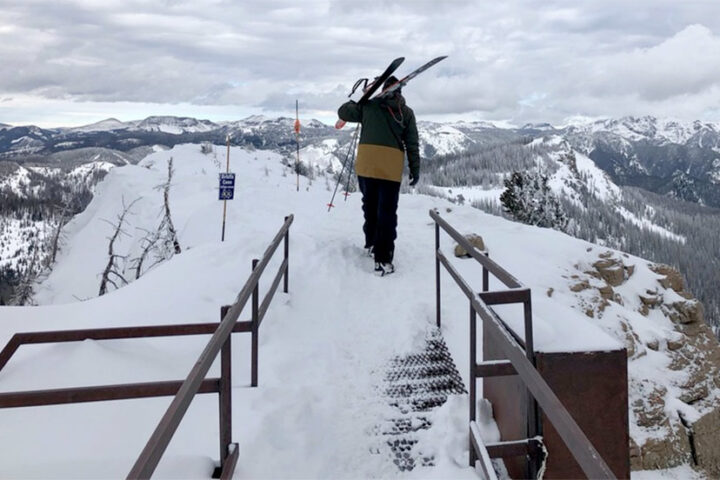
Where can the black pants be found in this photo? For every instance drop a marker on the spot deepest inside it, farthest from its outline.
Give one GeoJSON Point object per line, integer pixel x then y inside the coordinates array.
{"type": "Point", "coordinates": [380, 201]}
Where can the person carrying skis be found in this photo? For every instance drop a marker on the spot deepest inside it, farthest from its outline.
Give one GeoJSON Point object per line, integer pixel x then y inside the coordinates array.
{"type": "Point", "coordinates": [389, 133]}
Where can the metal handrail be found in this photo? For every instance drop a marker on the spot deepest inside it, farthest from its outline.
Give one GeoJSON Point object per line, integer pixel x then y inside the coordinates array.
{"type": "Point", "coordinates": [114, 333]}
{"type": "Point", "coordinates": [221, 385]}
{"type": "Point", "coordinates": [157, 444]}
{"type": "Point", "coordinates": [522, 362]}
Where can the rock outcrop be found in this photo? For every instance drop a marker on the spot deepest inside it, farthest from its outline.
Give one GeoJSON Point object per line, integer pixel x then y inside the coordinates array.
{"type": "Point", "coordinates": [675, 409]}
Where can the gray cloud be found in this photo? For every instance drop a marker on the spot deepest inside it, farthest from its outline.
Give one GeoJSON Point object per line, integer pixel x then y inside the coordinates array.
{"type": "Point", "coordinates": [519, 60]}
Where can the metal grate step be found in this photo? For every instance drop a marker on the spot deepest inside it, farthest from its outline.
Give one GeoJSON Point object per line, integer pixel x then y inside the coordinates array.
{"type": "Point", "coordinates": [416, 384]}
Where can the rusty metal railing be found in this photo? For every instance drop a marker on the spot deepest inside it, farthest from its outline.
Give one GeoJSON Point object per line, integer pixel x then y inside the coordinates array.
{"type": "Point", "coordinates": [520, 362]}
{"type": "Point", "coordinates": [183, 391]}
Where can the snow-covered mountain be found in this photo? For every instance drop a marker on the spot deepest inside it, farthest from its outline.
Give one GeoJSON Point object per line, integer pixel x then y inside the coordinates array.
{"type": "Point", "coordinates": [651, 129]}
{"type": "Point", "coordinates": [325, 345]}
{"type": "Point", "coordinates": [174, 125]}
{"type": "Point", "coordinates": [673, 158]}
{"type": "Point", "coordinates": [669, 157]}
{"type": "Point", "coordinates": [107, 125]}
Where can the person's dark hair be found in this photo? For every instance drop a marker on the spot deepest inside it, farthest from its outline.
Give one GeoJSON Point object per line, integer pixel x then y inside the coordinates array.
{"type": "Point", "coordinates": [390, 82]}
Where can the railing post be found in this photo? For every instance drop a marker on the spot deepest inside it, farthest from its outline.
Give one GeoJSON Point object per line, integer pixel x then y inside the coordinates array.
{"type": "Point", "coordinates": [533, 425]}
{"type": "Point", "coordinates": [287, 256]}
{"type": "Point", "coordinates": [254, 321]}
{"type": "Point", "coordinates": [225, 400]}
{"type": "Point", "coordinates": [486, 276]}
{"type": "Point", "coordinates": [472, 379]}
{"type": "Point", "coordinates": [437, 274]}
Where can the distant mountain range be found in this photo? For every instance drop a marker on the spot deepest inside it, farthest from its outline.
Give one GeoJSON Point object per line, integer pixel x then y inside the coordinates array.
{"type": "Point", "coordinates": [679, 159]}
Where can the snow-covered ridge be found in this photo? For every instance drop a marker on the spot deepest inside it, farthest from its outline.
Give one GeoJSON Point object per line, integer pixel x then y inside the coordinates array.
{"type": "Point", "coordinates": [320, 383]}
{"type": "Point", "coordinates": [648, 128]}
{"type": "Point", "coordinates": [443, 138]}
{"type": "Point", "coordinates": [106, 125]}
{"type": "Point", "coordinates": [174, 125]}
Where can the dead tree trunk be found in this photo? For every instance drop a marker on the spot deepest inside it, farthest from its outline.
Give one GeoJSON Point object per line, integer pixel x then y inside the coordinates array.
{"type": "Point", "coordinates": [172, 234]}
{"type": "Point", "coordinates": [56, 236]}
{"type": "Point", "coordinates": [112, 268]}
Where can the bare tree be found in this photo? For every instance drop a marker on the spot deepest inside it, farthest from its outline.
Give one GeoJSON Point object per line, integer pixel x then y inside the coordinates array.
{"type": "Point", "coordinates": [148, 244]}
{"type": "Point", "coordinates": [166, 229]}
{"type": "Point", "coordinates": [57, 234]}
{"type": "Point", "coordinates": [111, 272]}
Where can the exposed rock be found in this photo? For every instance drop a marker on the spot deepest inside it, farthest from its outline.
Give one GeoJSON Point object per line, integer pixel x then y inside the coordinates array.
{"type": "Point", "coordinates": [690, 311]}
{"type": "Point", "coordinates": [706, 432]}
{"type": "Point", "coordinates": [673, 279]}
{"type": "Point", "coordinates": [475, 240]}
{"type": "Point", "coordinates": [693, 355]}
{"type": "Point", "coordinates": [694, 392]}
{"type": "Point", "coordinates": [550, 292]}
{"type": "Point", "coordinates": [611, 270]}
{"type": "Point", "coordinates": [593, 273]}
{"type": "Point", "coordinates": [666, 452]}
{"type": "Point", "coordinates": [606, 292]}
{"type": "Point", "coordinates": [629, 345]}
{"type": "Point", "coordinates": [635, 458]}
{"type": "Point", "coordinates": [652, 299]}
{"type": "Point", "coordinates": [650, 410]}
{"type": "Point", "coordinates": [579, 287]}
{"type": "Point", "coordinates": [629, 270]}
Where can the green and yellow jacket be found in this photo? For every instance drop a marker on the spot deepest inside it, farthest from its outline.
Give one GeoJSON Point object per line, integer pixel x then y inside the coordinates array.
{"type": "Point", "coordinates": [388, 132]}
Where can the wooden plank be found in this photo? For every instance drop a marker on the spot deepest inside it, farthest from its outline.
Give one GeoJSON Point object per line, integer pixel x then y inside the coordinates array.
{"type": "Point", "coordinates": [486, 468]}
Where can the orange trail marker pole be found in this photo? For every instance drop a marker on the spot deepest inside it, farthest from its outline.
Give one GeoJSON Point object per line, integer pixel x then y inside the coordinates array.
{"type": "Point", "coordinates": [297, 140]}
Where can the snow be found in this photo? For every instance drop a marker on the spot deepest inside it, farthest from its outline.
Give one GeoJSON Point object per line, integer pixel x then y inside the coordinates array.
{"type": "Point", "coordinates": [715, 173]}
{"type": "Point", "coordinates": [683, 472]}
{"type": "Point", "coordinates": [323, 346]}
{"type": "Point", "coordinates": [445, 139]}
{"type": "Point", "coordinates": [106, 125]}
{"type": "Point", "coordinates": [17, 180]}
{"type": "Point", "coordinates": [84, 170]}
{"type": "Point", "coordinates": [647, 224]}
{"type": "Point", "coordinates": [322, 155]}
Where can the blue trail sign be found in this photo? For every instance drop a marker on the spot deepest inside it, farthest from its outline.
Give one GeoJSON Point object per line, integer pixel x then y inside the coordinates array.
{"type": "Point", "coordinates": [227, 186]}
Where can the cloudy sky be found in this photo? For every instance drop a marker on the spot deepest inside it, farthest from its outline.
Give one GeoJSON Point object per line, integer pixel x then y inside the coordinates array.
{"type": "Point", "coordinates": [72, 62]}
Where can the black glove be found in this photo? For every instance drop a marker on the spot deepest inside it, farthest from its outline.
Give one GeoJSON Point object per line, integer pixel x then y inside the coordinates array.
{"type": "Point", "coordinates": [414, 178]}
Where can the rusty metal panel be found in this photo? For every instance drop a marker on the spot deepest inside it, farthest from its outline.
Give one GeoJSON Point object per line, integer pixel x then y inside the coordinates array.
{"type": "Point", "coordinates": [509, 401]}
{"type": "Point", "coordinates": [593, 388]}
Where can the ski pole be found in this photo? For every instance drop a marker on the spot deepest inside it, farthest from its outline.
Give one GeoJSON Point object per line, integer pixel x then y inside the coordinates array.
{"type": "Point", "coordinates": [352, 147]}
{"type": "Point", "coordinates": [349, 175]}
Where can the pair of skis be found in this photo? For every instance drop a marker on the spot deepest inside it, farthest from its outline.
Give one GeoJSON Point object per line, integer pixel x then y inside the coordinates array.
{"type": "Point", "coordinates": [378, 82]}
{"type": "Point", "coordinates": [369, 90]}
